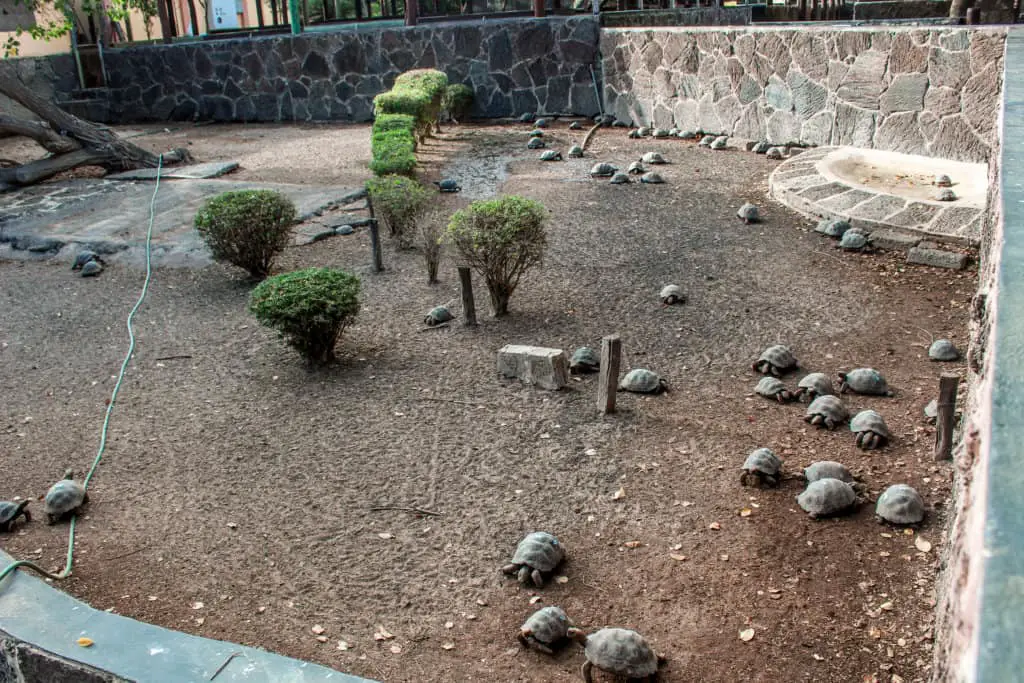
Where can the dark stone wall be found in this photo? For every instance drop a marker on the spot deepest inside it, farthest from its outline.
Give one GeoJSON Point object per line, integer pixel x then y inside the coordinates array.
{"type": "Point", "coordinates": [514, 66]}
{"type": "Point", "coordinates": [900, 9]}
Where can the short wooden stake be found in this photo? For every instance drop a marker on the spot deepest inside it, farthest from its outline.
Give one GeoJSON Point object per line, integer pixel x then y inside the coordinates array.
{"type": "Point", "coordinates": [608, 379]}
{"type": "Point", "coordinates": [378, 258]}
{"type": "Point", "coordinates": [468, 306]}
{"type": "Point", "coordinates": [948, 385]}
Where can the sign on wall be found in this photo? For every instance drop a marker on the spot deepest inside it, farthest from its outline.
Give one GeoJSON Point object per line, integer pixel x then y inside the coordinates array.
{"type": "Point", "coordinates": [223, 15]}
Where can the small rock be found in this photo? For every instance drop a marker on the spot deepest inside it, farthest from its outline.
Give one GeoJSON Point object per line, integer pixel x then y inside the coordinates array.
{"type": "Point", "coordinates": [775, 153]}
{"type": "Point", "coordinates": [344, 230]}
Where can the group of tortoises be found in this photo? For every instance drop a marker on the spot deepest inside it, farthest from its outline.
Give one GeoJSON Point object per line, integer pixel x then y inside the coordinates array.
{"type": "Point", "coordinates": [831, 488]}
{"type": "Point", "coordinates": [619, 651]}
{"type": "Point", "coordinates": [64, 498]}
{"type": "Point", "coordinates": [585, 360]}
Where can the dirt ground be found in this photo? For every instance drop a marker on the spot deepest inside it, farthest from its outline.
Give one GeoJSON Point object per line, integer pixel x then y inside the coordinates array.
{"type": "Point", "coordinates": [234, 498]}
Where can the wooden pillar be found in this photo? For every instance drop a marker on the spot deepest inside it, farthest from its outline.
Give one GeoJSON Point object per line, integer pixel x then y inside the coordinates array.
{"type": "Point", "coordinates": [410, 12]}
{"type": "Point", "coordinates": [948, 385]}
{"type": "Point", "coordinates": [538, 8]}
{"type": "Point", "coordinates": [375, 248]}
{"type": "Point", "coordinates": [468, 305]}
{"type": "Point", "coordinates": [165, 20]}
{"type": "Point", "coordinates": [608, 379]}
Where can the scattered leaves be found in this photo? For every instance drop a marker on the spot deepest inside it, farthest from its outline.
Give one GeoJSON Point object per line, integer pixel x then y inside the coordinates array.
{"type": "Point", "coordinates": [561, 578]}
{"type": "Point", "coordinates": [396, 649]}
{"type": "Point", "coordinates": [84, 642]}
{"type": "Point", "coordinates": [481, 602]}
{"type": "Point", "coordinates": [449, 645]}
{"type": "Point", "coordinates": [746, 635]}
{"type": "Point", "coordinates": [887, 606]}
{"type": "Point", "coordinates": [449, 624]}
{"type": "Point", "coordinates": [535, 599]}
{"type": "Point", "coordinates": [322, 639]}
{"type": "Point", "coordinates": [385, 535]}
{"type": "Point", "coordinates": [818, 658]}
{"type": "Point", "coordinates": [317, 629]}
{"type": "Point", "coordinates": [677, 546]}
{"type": "Point", "coordinates": [677, 557]}
{"type": "Point", "coordinates": [745, 512]}
{"type": "Point", "coordinates": [632, 544]}
{"type": "Point", "coordinates": [342, 645]}
{"type": "Point", "coordinates": [922, 545]}
{"type": "Point", "coordinates": [232, 525]}
{"type": "Point", "coordinates": [200, 621]}
{"type": "Point", "coordinates": [382, 634]}
{"type": "Point", "coordinates": [621, 493]}
{"type": "Point", "coordinates": [198, 605]}
{"type": "Point", "coordinates": [715, 525]}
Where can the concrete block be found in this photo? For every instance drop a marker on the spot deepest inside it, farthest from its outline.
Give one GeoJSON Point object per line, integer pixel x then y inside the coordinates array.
{"type": "Point", "coordinates": [535, 365]}
{"type": "Point", "coordinates": [937, 258]}
{"type": "Point", "coordinates": [893, 240]}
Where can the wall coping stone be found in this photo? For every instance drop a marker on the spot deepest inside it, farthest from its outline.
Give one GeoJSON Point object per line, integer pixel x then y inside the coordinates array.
{"type": "Point", "coordinates": [31, 611]}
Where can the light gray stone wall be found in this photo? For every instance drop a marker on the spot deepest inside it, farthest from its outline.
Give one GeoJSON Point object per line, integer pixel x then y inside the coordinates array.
{"type": "Point", "coordinates": [920, 91]}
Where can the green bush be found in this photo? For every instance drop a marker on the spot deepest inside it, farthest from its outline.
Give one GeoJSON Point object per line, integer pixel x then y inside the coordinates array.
{"type": "Point", "coordinates": [385, 123]}
{"type": "Point", "coordinates": [247, 228]}
{"type": "Point", "coordinates": [501, 239]}
{"type": "Point", "coordinates": [409, 102]}
{"type": "Point", "coordinates": [457, 101]}
{"type": "Point", "coordinates": [416, 93]}
{"type": "Point", "coordinates": [310, 308]}
{"type": "Point", "coordinates": [400, 201]}
{"type": "Point", "coordinates": [393, 153]}
{"type": "Point", "coordinates": [430, 81]}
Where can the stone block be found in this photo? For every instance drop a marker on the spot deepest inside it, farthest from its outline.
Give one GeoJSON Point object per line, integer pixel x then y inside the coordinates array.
{"type": "Point", "coordinates": [937, 258]}
{"type": "Point", "coordinates": [905, 93]}
{"type": "Point", "coordinates": [893, 240]}
{"type": "Point", "coordinates": [535, 365]}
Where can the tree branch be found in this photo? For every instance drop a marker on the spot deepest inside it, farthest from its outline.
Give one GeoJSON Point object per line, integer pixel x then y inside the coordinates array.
{"type": "Point", "coordinates": [38, 131]}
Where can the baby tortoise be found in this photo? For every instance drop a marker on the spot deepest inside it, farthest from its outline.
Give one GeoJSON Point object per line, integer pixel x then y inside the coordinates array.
{"type": "Point", "coordinates": [943, 350]}
{"type": "Point", "coordinates": [620, 179]}
{"type": "Point", "coordinates": [867, 381]}
{"type": "Point", "coordinates": [437, 316]}
{"type": "Point", "coordinates": [830, 469]}
{"type": "Point", "coordinates": [827, 497]}
{"type": "Point", "coordinates": [814, 385]}
{"type": "Point", "coordinates": [9, 512]}
{"type": "Point", "coordinates": [603, 170]}
{"type": "Point", "coordinates": [618, 651]}
{"type": "Point", "coordinates": [748, 213]}
{"type": "Point", "coordinates": [761, 468]}
{"type": "Point", "coordinates": [641, 381]}
{"type": "Point", "coordinates": [827, 411]}
{"type": "Point", "coordinates": [545, 630]}
{"type": "Point", "coordinates": [64, 498]}
{"type": "Point", "coordinates": [672, 294]}
{"type": "Point", "coordinates": [576, 152]}
{"type": "Point", "coordinates": [900, 504]}
{"type": "Point", "coordinates": [584, 360]}
{"type": "Point", "coordinates": [537, 554]}
{"type": "Point", "coordinates": [448, 185]}
{"type": "Point", "coordinates": [652, 178]}
{"type": "Point", "coordinates": [772, 388]}
{"type": "Point", "coordinates": [550, 155]}
{"type": "Point", "coordinates": [775, 360]}
{"type": "Point", "coordinates": [870, 429]}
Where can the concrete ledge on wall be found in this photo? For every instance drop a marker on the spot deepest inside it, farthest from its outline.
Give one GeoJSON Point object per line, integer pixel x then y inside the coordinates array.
{"type": "Point", "coordinates": [40, 626]}
{"type": "Point", "coordinates": [706, 16]}
{"type": "Point", "coordinates": [900, 9]}
{"type": "Point", "coordinates": [997, 654]}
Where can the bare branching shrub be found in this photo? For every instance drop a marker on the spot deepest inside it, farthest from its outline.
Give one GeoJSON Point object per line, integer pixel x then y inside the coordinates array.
{"type": "Point", "coordinates": [430, 233]}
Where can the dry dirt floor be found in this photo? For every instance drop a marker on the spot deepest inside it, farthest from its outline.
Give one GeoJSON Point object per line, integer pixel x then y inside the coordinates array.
{"type": "Point", "coordinates": [235, 498]}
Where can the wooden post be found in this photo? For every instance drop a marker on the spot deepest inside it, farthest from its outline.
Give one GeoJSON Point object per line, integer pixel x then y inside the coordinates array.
{"type": "Point", "coordinates": [468, 306]}
{"type": "Point", "coordinates": [378, 259]}
{"type": "Point", "coordinates": [410, 12]}
{"type": "Point", "coordinates": [538, 8]}
{"type": "Point", "coordinates": [165, 21]}
{"type": "Point", "coordinates": [608, 379]}
{"type": "Point", "coordinates": [948, 385]}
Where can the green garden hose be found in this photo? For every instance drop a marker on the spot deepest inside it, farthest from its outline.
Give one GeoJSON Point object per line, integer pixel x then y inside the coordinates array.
{"type": "Point", "coordinates": [66, 572]}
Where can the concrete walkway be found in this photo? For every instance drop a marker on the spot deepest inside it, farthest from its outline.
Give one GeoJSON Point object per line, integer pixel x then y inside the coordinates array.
{"type": "Point", "coordinates": [111, 216]}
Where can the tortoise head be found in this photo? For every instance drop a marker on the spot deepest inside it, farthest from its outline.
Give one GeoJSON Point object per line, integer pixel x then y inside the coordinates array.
{"type": "Point", "coordinates": [577, 634]}
{"type": "Point", "coordinates": [69, 474]}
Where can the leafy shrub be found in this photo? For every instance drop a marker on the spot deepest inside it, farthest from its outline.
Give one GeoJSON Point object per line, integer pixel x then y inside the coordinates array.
{"type": "Point", "coordinates": [386, 123]}
{"type": "Point", "coordinates": [501, 239]}
{"type": "Point", "coordinates": [310, 308]}
{"type": "Point", "coordinates": [416, 93]}
{"type": "Point", "coordinates": [400, 201]}
{"type": "Point", "coordinates": [408, 101]}
{"type": "Point", "coordinates": [457, 101]}
{"type": "Point", "coordinates": [247, 228]}
{"type": "Point", "coordinates": [430, 81]}
{"type": "Point", "coordinates": [429, 234]}
{"type": "Point", "coordinates": [393, 153]}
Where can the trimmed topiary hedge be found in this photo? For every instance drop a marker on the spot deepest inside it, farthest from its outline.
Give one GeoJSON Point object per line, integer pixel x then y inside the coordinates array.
{"type": "Point", "coordinates": [406, 112]}
{"type": "Point", "coordinates": [247, 228]}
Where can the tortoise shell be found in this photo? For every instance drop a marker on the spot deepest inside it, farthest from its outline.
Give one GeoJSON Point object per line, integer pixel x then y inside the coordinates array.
{"type": "Point", "coordinates": [621, 651]}
{"type": "Point", "coordinates": [943, 350]}
{"type": "Point", "coordinates": [539, 550]}
{"type": "Point", "coordinates": [641, 381]}
{"type": "Point", "coordinates": [900, 504]}
{"type": "Point", "coordinates": [866, 381]}
{"type": "Point", "coordinates": [438, 315]}
{"type": "Point", "coordinates": [653, 158]}
{"type": "Point", "coordinates": [869, 421]}
{"type": "Point", "coordinates": [825, 497]}
{"type": "Point", "coordinates": [66, 496]}
{"type": "Point", "coordinates": [549, 625]}
{"type": "Point", "coordinates": [603, 169]}
{"type": "Point", "coordinates": [828, 469]}
{"type": "Point", "coordinates": [584, 359]}
{"type": "Point", "coordinates": [763, 460]}
{"type": "Point", "coordinates": [829, 407]}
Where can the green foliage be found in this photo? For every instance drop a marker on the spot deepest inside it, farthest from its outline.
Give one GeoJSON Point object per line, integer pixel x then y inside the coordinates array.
{"type": "Point", "coordinates": [501, 239]}
{"type": "Point", "coordinates": [55, 18]}
{"type": "Point", "coordinates": [430, 81]}
{"type": "Point", "coordinates": [416, 93]}
{"type": "Point", "coordinates": [400, 201]}
{"type": "Point", "coordinates": [310, 308]}
{"type": "Point", "coordinates": [457, 101]}
{"type": "Point", "coordinates": [247, 228]}
{"type": "Point", "coordinates": [409, 102]}
{"type": "Point", "coordinates": [385, 123]}
{"type": "Point", "coordinates": [393, 153]}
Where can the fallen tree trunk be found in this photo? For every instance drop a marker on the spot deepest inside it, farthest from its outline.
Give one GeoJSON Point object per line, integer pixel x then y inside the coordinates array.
{"type": "Point", "coordinates": [38, 131]}
{"type": "Point", "coordinates": [68, 134]}
{"type": "Point", "coordinates": [36, 171]}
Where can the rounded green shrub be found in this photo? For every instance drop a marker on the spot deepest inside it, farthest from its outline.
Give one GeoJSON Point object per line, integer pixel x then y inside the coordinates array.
{"type": "Point", "coordinates": [400, 201]}
{"type": "Point", "coordinates": [247, 228]}
{"type": "Point", "coordinates": [457, 101]}
{"type": "Point", "coordinates": [310, 308]}
{"type": "Point", "coordinates": [501, 239]}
